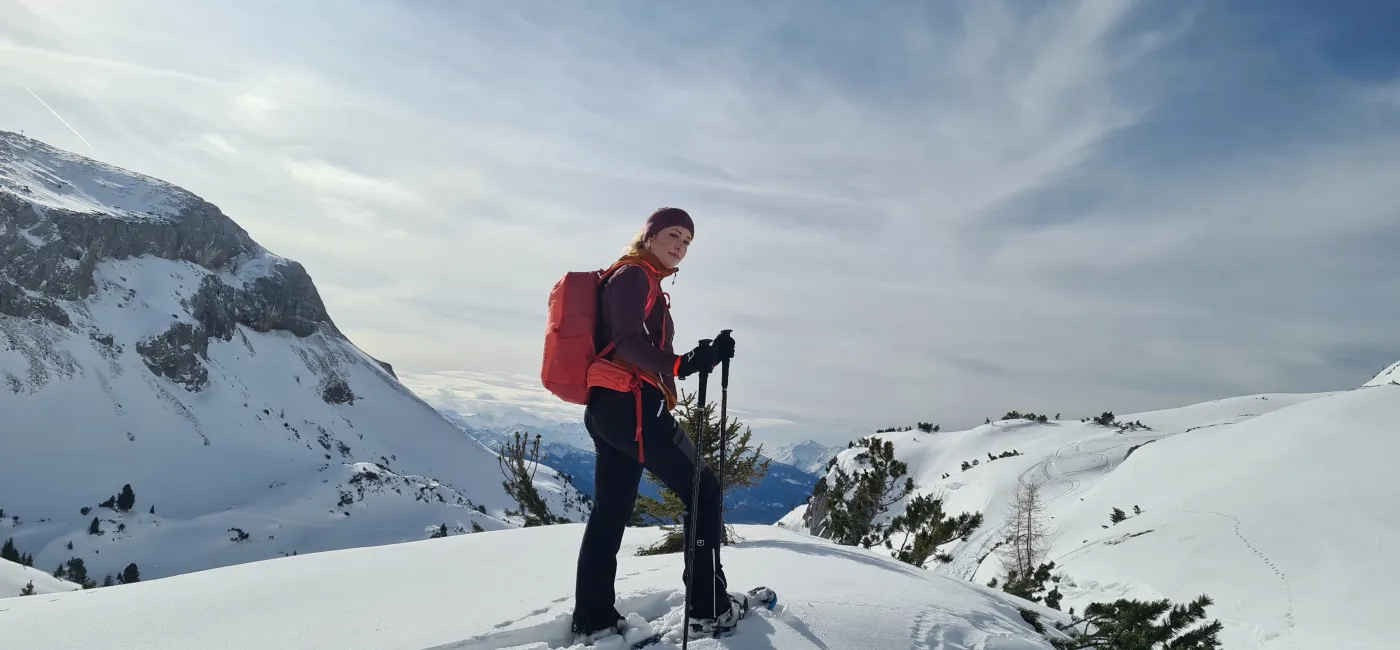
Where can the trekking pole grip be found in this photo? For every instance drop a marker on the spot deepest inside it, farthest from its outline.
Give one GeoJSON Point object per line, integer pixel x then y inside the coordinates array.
{"type": "Point", "coordinates": [724, 367]}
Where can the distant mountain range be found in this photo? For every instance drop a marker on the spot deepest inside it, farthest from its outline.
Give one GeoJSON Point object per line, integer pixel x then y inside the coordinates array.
{"type": "Point", "coordinates": [567, 448]}
{"type": "Point", "coordinates": [809, 456]}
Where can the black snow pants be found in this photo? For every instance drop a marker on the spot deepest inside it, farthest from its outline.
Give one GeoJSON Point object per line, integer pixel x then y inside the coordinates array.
{"type": "Point", "coordinates": [669, 454]}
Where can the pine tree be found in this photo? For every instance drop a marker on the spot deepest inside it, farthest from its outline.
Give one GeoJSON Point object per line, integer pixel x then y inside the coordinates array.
{"type": "Point", "coordinates": [518, 464]}
{"type": "Point", "coordinates": [923, 519]}
{"type": "Point", "coordinates": [9, 552]}
{"type": "Point", "coordinates": [1117, 515]}
{"type": "Point", "coordinates": [846, 510]}
{"type": "Point", "coordinates": [28, 589]}
{"type": "Point", "coordinates": [744, 466]}
{"type": "Point", "coordinates": [109, 580]}
{"type": "Point", "coordinates": [1029, 585]}
{"type": "Point", "coordinates": [77, 573]}
{"type": "Point", "coordinates": [130, 574]}
{"type": "Point", "coordinates": [95, 528]}
{"type": "Point", "coordinates": [1132, 625]}
{"type": "Point", "coordinates": [127, 499]}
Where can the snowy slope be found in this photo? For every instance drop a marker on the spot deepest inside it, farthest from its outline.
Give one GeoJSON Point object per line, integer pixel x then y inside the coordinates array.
{"type": "Point", "coordinates": [809, 456]}
{"type": "Point", "coordinates": [14, 578]}
{"type": "Point", "coordinates": [427, 594]}
{"type": "Point", "coordinates": [1390, 375]}
{"type": "Point", "coordinates": [61, 180]}
{"type": "Point", "coordinates": [1277, 506]}
{"type": "Point", "coordinates": [149, 341]}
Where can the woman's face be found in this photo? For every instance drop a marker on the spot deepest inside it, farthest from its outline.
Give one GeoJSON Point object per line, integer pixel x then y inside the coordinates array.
{"type": "Point", "coordinates": [670, 245]}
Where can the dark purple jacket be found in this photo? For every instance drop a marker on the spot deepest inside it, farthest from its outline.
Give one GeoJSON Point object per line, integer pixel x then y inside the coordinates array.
{"type": "Point", "coordinates": [647, 343]}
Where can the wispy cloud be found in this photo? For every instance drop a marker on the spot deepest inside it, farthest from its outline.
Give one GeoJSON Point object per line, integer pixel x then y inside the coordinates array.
{"type": "Point", "coordinates": [910, 211]}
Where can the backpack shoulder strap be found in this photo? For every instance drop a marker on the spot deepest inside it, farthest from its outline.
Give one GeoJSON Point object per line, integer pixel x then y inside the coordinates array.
{"type": "Point", "coordinates": [653, 287]}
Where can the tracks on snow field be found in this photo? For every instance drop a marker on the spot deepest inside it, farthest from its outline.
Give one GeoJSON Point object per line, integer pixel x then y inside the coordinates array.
{"type": "Point", "coordinates": [967, 558]}
{"type": "Point", "coordinates": [1287, 587]}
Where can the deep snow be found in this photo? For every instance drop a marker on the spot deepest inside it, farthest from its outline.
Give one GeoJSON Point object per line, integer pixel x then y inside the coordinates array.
{"type": "Point", "coordinates": [14, 578]}
{"type": "Point", "coordinates": [514, 589]}
{"type": "Point", "coordinates": [1278, 506]}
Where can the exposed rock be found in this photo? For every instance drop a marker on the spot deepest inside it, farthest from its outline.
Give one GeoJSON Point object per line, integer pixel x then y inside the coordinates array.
{"type": "Point", "coordinates": [287, 300]}
{"type": "Point", "coordinates": [337, 391]}
{"type": "Point", "coordinates": [48, 256]}
{"type": "Point", "coordinates": [177, 355]}
{"type": "Point", "coordinates": [57, 251]}
{"type": "Point", "coordinates": [15, 302]}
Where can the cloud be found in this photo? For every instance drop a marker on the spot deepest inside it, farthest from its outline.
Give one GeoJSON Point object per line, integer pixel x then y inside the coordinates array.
{"type": "Point", "coordinates": [470, 393]}
{"type": "Point", "coordinates": [916, 211]}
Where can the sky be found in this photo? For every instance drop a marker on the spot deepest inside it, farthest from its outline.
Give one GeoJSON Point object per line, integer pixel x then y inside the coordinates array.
{"type": "Point", "coordinates": [906, 211]}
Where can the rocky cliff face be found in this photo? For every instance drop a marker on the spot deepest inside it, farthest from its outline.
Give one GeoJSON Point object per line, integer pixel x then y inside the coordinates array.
{"type": "Point", "coordinates": [48, 253]}
{"type": "Point", "coordinates": [147, 340]}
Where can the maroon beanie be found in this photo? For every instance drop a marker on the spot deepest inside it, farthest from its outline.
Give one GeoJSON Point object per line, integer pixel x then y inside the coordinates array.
{"type": "Point", "coordinates": [664, 218]}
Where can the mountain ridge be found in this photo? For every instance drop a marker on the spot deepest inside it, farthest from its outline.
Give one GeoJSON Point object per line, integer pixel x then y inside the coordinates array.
{"type": "Point", "coordinates": [1206, 498]}
{"type": "Point", "coordinates": [147, 340]}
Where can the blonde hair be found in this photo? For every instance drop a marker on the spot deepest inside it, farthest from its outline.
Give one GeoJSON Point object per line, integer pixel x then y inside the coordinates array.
{"type": "Point", "coordinates": [638, 243]}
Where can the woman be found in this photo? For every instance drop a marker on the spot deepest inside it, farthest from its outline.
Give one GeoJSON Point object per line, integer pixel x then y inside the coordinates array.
{"type": "Point", "coordinates": [632, 391]}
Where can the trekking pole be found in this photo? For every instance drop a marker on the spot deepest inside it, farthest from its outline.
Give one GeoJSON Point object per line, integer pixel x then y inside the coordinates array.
{"type": "Point", "coordinates": [723, 436]}
{"type": "Point", "coordinates": [694, 505]}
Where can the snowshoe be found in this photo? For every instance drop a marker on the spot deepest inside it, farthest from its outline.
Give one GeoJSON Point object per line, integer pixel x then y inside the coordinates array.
{"type": "Point", "coordinates": [589, 634]}
{"type": "Point", "coordinates": [739, 608]}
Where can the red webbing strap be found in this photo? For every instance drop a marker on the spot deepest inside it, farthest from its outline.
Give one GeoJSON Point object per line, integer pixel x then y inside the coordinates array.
{"type": "Point", "coordinates": [637, 395]}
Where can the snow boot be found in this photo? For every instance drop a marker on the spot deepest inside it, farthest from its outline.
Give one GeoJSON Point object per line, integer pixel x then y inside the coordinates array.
{"type": "Point", "coordinates": [740, 605]}
{"type": "Point", "coordinates": [588, 631]}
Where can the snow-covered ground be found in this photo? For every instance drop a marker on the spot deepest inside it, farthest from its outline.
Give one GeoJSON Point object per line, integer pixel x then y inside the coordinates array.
{"type": "Point", "coordinates": [14, 578]}
{"type": "Point", "coordinates": [53, 178]}
{"type": "Point", "coordinates": [1278, 506]}
{"type": "Point", "coordinates": [514, 589]}
{"type": "Point", "coordinates": [246, 425]}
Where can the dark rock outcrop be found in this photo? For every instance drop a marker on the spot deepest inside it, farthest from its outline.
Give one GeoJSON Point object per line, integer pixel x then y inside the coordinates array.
{"type": "Point", "coordinates": [286, 300]}
{"type": "Point", "coordinates": [14, 302]}
{"type": "Point", "coordinates": [177, 354]}
{"type": "Point", "coordinates": [48, 255]}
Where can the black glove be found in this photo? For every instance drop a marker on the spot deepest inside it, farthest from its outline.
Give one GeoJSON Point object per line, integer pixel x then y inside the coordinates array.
{"type": "Point", "coordinates": [724, 346]}
{"type": "Point", "coordinates": [702, 358]}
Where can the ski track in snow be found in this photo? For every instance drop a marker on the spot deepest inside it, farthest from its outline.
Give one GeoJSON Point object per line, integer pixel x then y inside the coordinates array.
{"type": "Point", "coordinates": [968, 558]}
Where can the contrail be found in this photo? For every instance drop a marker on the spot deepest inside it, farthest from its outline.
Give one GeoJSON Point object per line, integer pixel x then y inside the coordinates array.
{"type": "Point", "coordinates": [60, 117]}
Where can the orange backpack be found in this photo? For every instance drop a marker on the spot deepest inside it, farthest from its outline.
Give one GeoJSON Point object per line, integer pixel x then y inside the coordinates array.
{"type": "Point", "coordinates": [569, 346]}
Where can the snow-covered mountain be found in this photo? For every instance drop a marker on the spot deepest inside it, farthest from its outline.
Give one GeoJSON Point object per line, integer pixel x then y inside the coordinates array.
{"type": "Point", "coordinates": [809, 456]}
{"type": "Point", "coordinates": [147, 341]}
{"type": "Point", "coordinates": [1390, 375]}
{"type": "Point", "coordinates": [428, 595]}
{"type": "Point", "coordinates": [510, 419]}
{"type": "Point", "coordinates": [1277, 506]}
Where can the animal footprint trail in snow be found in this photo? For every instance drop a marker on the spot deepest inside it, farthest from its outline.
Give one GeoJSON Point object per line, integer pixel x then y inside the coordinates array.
{"type": "Point", "coordinates": [921, 628]}
{"type": "Point", "coordinates": [1287, 588]}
